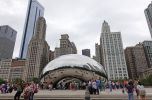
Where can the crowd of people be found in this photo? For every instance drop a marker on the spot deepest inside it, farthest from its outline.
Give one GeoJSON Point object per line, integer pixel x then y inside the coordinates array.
{"type": "Point", "coordinates": [28, 90]}
{"type": "Point", "coordinates": [6, 88]}
{"type": "Point", "coordinates": [94, 86]}
{"type": "Point", "coordinates": [131, 87]}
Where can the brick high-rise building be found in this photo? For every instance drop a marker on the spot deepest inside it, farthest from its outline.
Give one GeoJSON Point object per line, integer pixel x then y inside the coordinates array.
{"type": "Point", "coordinates": [66, 46]}
{"type": "Point", "coordinates": [140, 58]}
{"type": "Point", "coordinates": [130, 61]}
{"type": "Point", "coordinates": [136, 60]}
{"type": "Point", "coordinates": [112, 53]}
{"type": "Point", "coordinates": [7, 41]}
{"type": "Point", "coordinates": [38, 52]}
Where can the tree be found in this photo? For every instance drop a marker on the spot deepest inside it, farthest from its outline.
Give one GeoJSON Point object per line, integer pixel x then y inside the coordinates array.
{"type": "Point", "coordinates": [147, 81]}
{"type": "Point", "coordinates": [18, 81]}
{"type": "Point", "coordinates": [1, 81]}
{"type": "Point", "coordinates": [36, 80]}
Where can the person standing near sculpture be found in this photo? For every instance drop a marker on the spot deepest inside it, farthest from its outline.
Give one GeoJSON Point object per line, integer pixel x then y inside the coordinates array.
{"type": "Point", "coordinates": [130, 90]}
{"type": "Point", "coordinates": [19, 92]}
{"type": "Point", "coordinates": [142, 92]}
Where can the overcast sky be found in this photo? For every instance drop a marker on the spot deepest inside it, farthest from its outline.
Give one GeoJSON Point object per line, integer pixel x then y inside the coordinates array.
{"type": "Point", "coordinates": [82, 20]}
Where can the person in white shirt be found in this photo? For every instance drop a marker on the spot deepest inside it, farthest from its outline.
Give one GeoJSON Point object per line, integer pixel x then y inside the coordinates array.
{"type": "Point", "coordinates": [142, 92]}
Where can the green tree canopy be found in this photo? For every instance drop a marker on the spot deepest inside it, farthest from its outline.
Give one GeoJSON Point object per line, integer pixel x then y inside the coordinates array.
{"type": "Point", "coordinates": [36, 80]}
{"type": "Point", "coordinates": [147, 81]}
{"type": "Point", "coordinates": [1, 81]}
{"type": "Point", "coordinates": [18, 81]}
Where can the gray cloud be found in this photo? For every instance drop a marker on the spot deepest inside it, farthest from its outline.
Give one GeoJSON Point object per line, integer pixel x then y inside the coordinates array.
{"type": "Point", "coordinates": [82, 20]}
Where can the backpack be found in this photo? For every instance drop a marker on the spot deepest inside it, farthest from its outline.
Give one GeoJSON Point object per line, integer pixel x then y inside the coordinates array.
{"type": "Point", "coordinates": [142, 91]}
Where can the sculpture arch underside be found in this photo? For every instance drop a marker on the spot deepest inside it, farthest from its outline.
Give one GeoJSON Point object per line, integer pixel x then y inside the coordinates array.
{"type": "Point", "coordinates": [61, 73]}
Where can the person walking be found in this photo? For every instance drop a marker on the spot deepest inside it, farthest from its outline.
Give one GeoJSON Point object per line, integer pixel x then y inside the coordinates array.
{"type": "Point", "coordinates": [142, 92]}
{"type": "Point", "coordinates": [34, 89]}
{"type": "Point", "coordinates": [98, 85]}
{"type": "Point", "coordinates": [130, 90]}
{"type": "Point", "coordinates": [94, 87]}
{"type": "Point", "coordinates": [27, 91]}
{"type": "Point", "coordinates": [110, 85]}
{"type": "Point", "coordinates": [19, 92]}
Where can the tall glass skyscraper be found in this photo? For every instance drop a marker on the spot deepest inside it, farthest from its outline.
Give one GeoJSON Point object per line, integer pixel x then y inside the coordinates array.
{"type": "Point", "coordinates": [7, 41]}
{"type": "Point", "coordinates": [34, 11]}
{"type": "Point", "coordinates": [148, 14]}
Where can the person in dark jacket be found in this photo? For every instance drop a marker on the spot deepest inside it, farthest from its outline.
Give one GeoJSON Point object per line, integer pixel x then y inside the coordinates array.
{"type": "Point", "coordinates": [130, 90]}
{"type": "Point", "coordinates": [19, 92]}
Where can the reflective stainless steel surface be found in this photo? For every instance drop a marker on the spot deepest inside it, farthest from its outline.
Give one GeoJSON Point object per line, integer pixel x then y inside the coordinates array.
{"type": "Point", "coordinates": [75, 61]}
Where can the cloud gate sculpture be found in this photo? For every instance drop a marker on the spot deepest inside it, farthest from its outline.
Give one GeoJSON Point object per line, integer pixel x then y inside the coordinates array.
{"type": "Point", "coordinates": [72, 66]}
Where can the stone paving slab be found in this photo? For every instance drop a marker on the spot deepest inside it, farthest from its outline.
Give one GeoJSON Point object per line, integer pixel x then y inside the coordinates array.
{"type": "Point", "coordinates": [76, 95]}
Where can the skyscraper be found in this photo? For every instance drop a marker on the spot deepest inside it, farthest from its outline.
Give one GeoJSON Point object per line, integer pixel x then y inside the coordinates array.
{"type": "Point", "coordinates": [112, 54]}
{"type": "Point", "coordinates": [34, 11]}
{"type": "Point", "coordinates": [7, 41]}
{"type": "Point", "coordinates": [148, 52]}
{"type": "Point", "coordinates": [86, 52]}
{"type": "Point", "coordinates": [66, 47]}
{"type": "Point", "coordinates": [130, 61]}
{"type": "Point", "coordinates": [136, 60]}
{"type": "Point", "coordinates": [148, 14]}
{"type": "Point", "coordinates": [38, 52]}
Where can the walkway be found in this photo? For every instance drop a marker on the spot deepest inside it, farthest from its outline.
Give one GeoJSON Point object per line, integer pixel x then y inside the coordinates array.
{"type": "Point", "coordinates": [77, 95]}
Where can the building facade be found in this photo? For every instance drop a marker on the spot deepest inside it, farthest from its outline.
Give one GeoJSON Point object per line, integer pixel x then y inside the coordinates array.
{"type": "Point", "coordinates": [130, 61]}
{"type": "Point", "coordinates": [98, 53]}
{"type": "Point", "coordinates": [34, 11]}
{"type": "Point", "coordinates": [56, 52]}
{"type": "Point", "coordinates": [7, 41]}
{"type": "Point", "coordinates": [16, 70]}
{"type": "Point", "coordinates": [148, 14]}
{"type": "Point", "coordinates": [38, 52]}
{"type": "Point", "coordinates": [140, 58]}
{"type": "Point", "coordinates": [136, 59]}
{"type": "Point", "coordinates": [11, 69]}
{"type": "Point", "coordinates": [5, 66]}
{"type": "Point", "coordinates": [51, 55]}
{"type": "Point", "coordinates": [148, 52]}
{"type": "Point", "coordinates": [112, 53]}
{"type": "Point", "coordinates": [86, 52]}
{"type": "Point", "coordinates": [66, 46]}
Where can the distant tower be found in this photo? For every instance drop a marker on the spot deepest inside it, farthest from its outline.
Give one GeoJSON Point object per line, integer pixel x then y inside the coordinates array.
{"type": "Point", "coordinates": [112, 57]}
{"type": "Point", "coordinates": [38, 52]}
{"type": "Point", "coordinates": [148, 14]}
{"type": "Point", "coordinates": [86, 52]}
{"type": "Point", "coordinates": [98, 53]}
{"type": "Point", "coordinates": [34, 11]}
{"type": "Point", "coordinates": [7, 41]}
{"type": "Point", "coordinates": [66, 46]}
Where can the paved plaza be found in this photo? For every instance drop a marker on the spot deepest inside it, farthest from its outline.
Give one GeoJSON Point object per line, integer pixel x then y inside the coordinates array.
{"type": "Point", "coordinates": [76, 95]}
